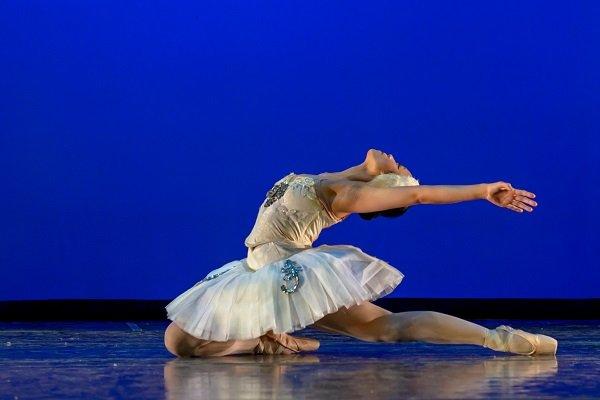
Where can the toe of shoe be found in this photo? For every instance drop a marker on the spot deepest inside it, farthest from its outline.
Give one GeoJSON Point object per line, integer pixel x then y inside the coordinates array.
{"type": "Point", "coordinates": [546, 345]}
{"type": "Point", "coordinates": [310, 344]}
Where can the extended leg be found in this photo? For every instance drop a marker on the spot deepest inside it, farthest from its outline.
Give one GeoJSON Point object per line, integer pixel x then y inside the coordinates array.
{"type": "Point", "coordinates": [370, 322]}
{"type": "Point", "coordinates": [429, 326]}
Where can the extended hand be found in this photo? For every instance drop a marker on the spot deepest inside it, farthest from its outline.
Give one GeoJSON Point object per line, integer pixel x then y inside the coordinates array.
{"type": "Point", "coordinates": [504, 195]}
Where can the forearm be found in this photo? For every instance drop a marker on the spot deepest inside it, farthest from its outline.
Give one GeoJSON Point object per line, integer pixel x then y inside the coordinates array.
{"type": "Point", "coordinates": [446, 194]}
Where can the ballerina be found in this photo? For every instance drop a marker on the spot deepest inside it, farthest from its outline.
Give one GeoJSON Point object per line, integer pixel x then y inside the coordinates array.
{"type": "Point", "coordinates": [284, 284]}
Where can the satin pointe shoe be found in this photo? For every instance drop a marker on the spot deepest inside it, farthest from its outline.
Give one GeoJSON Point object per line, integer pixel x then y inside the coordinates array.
{"type": "Point", "coordinates": [506, 338]}
{"type": "Point", "coordinates": [282, 343]}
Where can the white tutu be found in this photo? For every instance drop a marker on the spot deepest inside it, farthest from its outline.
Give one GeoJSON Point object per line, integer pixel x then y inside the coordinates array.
{"type": "Point", "coordinates": [237, 302]}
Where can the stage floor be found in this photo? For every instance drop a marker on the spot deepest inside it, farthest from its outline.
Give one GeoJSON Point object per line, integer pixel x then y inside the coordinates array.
{"type": "Point", "coordinates": [102, 360]}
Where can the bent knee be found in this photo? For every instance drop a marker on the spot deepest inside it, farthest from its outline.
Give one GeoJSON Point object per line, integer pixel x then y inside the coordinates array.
{"type": "Point", "coordinates": [176, 341]}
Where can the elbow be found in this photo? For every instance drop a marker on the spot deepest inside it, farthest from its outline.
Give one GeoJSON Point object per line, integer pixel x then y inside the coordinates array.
{"type": "Point", "coordinates": [426, 196]}
{"type": "Point", "coordinates": [419, 197]}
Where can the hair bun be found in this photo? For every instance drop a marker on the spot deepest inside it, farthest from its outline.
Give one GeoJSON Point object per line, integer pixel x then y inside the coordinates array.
{"type": "Point", "coordinates": [391, 179]}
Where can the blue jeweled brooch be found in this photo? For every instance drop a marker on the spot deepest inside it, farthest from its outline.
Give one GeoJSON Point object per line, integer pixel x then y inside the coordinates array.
{"type": "Point", "coordinates": [290, 270]}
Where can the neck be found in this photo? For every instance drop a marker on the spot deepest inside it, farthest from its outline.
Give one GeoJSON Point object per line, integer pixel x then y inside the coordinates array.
{"type": "Point", "coordinates": [358, 172]}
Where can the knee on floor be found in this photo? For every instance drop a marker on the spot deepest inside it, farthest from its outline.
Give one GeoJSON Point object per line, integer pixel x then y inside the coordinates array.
{"type": "Point", "coordinates": [175, 341]}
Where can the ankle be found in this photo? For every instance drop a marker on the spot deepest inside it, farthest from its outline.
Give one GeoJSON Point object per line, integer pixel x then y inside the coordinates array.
{"type": "Point", "coordinates": [490, 339]}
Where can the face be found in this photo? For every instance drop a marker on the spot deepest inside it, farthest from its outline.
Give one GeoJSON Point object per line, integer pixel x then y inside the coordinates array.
{"type": "Point", "coordinates": [380, 162]}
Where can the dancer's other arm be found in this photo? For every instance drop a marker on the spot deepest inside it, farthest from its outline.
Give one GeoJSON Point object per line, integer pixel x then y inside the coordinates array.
{"type": "Point", "coordinates": [361, 198]}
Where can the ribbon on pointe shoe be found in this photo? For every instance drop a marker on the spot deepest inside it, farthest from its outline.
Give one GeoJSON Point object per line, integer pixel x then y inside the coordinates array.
{"type": "Point", "coordinates": [282, 343]}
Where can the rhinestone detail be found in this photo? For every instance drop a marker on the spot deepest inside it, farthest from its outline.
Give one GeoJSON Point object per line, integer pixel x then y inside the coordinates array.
{"type": "Point", "coordinates": [213, 276]}
{"type": "Point", "coordinates": [278, 190]}
{"type": "Point", "coordinates": [305, 184]}
{"type": "Point", "coordinates": [275, 193]}
{"type": "Point", "coordinates": [290, 270]}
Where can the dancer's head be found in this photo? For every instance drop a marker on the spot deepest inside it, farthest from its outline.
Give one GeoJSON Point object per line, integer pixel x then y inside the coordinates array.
{"type": "Point", "coordinates": [386, 172]}
{"type": "Point", "coordinates": [378, 162]}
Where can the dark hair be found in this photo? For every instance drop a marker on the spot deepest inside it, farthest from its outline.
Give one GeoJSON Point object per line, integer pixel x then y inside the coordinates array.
{"type": "Point", "coordinates": [391, 213]}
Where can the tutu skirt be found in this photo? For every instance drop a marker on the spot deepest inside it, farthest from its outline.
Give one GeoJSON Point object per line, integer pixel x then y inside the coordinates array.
{"type": "Point", "coordinates": [237, 302]}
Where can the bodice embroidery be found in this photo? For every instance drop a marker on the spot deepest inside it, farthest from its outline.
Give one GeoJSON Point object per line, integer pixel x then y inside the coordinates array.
{"type": "Point", "coordinates": [283, 209]}
{"type": "Point", "coordinates": [288, 222]}
{"type": "Point", "coordinates": [305, 184]}
{"type": "Point", "coordinates": [275, 193]}
{"type": "Point", "coordinates": [292, 213]}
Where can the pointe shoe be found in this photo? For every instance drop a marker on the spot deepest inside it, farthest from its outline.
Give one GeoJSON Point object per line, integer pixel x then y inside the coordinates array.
{"type": "Point", "coordinates": [282, 343]}
{"type": "Point", "coordinates": [502, 338]}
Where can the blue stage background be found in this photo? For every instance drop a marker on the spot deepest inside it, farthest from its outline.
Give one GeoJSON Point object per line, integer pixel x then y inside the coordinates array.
{"type": "Point", "coordinates": [138, 139]}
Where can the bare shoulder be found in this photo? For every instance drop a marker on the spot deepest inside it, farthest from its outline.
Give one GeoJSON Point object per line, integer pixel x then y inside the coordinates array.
{"type": "Point", "coordinates": [337, 184]}
{"type": "Point", "coordinates": [333, 190]}
{"type": "Point", "coordinates": [346, 196]}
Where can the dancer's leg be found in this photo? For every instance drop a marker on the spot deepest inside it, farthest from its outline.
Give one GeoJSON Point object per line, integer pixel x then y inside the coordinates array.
{"type": "Point", "coordinates": [182, 344]}
{"type": "Point", "coordinates": [429, 326]}
{"type": "Point", "coordinates": [370, 322]}
{"type": "Point", "coordinates": [353, 321]}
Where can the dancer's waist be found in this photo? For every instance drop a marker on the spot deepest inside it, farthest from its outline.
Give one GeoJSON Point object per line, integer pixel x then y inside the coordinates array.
{"type": "Point", "coordinates": [265, 253]}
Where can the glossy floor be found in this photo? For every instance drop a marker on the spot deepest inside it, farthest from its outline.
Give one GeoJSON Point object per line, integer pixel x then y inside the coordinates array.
{"type": "Point", "coordinates": [101, 360]}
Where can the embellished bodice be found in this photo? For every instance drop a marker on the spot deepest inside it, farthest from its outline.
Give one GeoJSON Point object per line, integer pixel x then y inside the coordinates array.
{"type": "Point", "coordinates": [289, 219]}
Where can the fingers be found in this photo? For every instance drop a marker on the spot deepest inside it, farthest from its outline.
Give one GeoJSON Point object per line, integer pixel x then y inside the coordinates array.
{"type": "Point", "coordinates": [521, 205]}
{"type": "Point", "coordinates": [518, 200]}
{"type": "Point", "coordinates": [522, 201]}
{"type": "Point", "coordinates": [514, 208]}
{"type": "Point", "coordinates": [524, 193]}
{"type": "Point", "coordinates": [525, 200]}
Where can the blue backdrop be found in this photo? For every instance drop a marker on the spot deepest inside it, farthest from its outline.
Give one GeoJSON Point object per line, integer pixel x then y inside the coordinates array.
{"type": "Point", "coordinates": [138, 139]}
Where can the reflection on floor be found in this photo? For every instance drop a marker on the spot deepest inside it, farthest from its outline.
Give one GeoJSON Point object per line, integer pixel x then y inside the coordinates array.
{"type": "Point", "coordinates": [84, 360]}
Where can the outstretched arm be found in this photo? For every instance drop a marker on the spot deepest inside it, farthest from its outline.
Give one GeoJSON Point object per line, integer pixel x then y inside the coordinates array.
{"type": "Point", "coordinates": [352, 196]}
